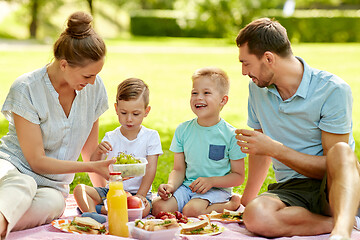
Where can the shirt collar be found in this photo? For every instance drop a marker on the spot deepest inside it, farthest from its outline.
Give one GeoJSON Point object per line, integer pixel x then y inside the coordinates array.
{"type": "Point", "coordinates": [303, 88]}
{"type": "Point", "coordinates": [304, 85]}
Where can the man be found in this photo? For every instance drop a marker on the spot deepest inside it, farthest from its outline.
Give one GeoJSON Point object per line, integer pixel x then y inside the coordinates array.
{"type": "Point", "coordinates": [302, 124]}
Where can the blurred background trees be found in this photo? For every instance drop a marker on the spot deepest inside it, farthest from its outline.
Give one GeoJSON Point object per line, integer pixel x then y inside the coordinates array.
{"type": "Point", "coordinates": [337, 20]}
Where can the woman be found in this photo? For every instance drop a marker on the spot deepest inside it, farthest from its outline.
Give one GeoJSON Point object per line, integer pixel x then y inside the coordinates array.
{"type": "Point", "coordinates": [53, 117]}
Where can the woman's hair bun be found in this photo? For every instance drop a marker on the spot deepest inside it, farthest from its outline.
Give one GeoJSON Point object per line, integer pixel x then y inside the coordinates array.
{"type": "Point", "coordinates": [79, 25]}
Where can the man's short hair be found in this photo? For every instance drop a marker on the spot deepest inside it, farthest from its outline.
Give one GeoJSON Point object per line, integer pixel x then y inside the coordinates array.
{"type": "Point", "coordinates": [263, 35]}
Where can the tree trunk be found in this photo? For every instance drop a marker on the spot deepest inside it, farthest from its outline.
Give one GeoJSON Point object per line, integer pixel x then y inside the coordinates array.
{"type": "Point", "coordinates": [91, 7]}
{"type": "Point", "coordinates": [34, 7]}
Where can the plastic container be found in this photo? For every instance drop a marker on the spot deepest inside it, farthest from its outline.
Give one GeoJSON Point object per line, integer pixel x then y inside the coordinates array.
{"type": "Point", "coordinates": [134, 213]}
{"type": "Point", "coordinates": [142, 234]}
{"type": "Point", "coordinates": [130, 170]}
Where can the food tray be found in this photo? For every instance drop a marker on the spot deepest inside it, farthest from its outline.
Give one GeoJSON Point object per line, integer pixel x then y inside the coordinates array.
{"type": "Point", "coordinates": [142, 234]}
{"type": "Point", "coordinates": [130, 170]}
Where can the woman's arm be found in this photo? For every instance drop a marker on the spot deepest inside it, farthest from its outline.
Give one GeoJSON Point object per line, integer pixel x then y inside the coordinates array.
{"type": "Point", "coordinates": [88, 149]}
{"type": "Point", "coordinates": [149, 175]}
{"type": "Point", "coordinates": [31, 143]}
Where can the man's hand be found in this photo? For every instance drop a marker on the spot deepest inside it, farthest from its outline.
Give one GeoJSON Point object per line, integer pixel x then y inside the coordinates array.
{"type": "Point", "coordinates": [255, 142]}
{"type": "Point", "coordinates": [165, 191]}
{"type": "Point", "coordinates": [202, 185]}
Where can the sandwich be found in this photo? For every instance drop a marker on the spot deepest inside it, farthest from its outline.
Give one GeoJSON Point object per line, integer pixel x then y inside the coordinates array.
{"type": "Point", "coordinates": [226, 215]}
{"type": "Point", "coordinates": [235, 215]}
{"type": "Point", "coordinates": [87, 225]}
{"type": "Point", "coordinates": [199, 227]}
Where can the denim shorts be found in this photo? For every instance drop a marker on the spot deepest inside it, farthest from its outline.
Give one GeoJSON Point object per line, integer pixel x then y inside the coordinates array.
{"type": "Point", "coordinates": [215, 195]}
{"type": "Point", "coordinates": [303, 192]}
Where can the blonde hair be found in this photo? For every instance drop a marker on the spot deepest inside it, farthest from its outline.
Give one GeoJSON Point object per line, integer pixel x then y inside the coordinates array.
{"type": "Point", "coordinates": [215, 74]}
{"type": "Point", "coordinates": [132, 89]}
{"type": "Point", "coordinates": [79, 43]}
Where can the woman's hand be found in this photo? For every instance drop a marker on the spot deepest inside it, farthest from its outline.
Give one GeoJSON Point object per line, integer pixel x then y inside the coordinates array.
{"type": "Point", "coordinates": [102, 167]}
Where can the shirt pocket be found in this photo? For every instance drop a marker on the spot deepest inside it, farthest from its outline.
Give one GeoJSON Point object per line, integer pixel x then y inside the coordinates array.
{"type": "Point", "coordinates": [216, 152]}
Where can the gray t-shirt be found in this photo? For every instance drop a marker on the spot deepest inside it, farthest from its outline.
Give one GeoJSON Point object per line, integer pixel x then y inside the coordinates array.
{"type": "Point", "coordinates": [33, 97]}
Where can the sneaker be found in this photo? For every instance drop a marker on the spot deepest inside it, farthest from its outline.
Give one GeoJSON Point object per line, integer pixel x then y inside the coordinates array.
{"type": "Point", "coordinates": [357, 223]}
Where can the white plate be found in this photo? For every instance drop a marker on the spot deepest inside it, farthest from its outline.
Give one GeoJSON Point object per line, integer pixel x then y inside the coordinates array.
{"type": "Point", "coordinates": [221, 229]}
{"type": "Point", "coordinates": [223, 220]}
{"type": "Point", "coordinates": [63, 225]}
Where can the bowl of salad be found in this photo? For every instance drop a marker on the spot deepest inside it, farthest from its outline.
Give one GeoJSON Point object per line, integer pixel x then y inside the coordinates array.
{"type": "Point", "coordinates": [129, 166]}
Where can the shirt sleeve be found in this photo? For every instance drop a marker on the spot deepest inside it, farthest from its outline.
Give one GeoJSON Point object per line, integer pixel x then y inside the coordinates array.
{"type": "Point", "coordinates": [154, 146]}
{"type": "Point", "coordinates": [235, 152]}
{"type": "Point", "coordinates": [176, 143]}
{"type": "Point", "coordinates": [102, 99]}
{"type": "Point", "coordinates": [252, 121]}
{"type": "Point", "coordinates": [336, 113]}
{"type": "Point", "coordinates": [19, 101]}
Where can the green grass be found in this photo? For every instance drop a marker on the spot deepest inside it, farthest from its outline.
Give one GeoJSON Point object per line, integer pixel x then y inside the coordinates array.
{"type": "Point", "coordinates": [166, 64]}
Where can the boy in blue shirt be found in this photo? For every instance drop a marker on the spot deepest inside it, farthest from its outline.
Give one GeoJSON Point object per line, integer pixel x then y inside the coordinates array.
{"type": "Point", "coordinates": [207, 161]}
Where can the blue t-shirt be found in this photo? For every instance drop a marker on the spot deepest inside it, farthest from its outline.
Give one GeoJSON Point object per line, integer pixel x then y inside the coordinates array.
{"type": "Point", "coordinates": [323, 102]}
{"type": "Point", "coordinates": [207, 150]}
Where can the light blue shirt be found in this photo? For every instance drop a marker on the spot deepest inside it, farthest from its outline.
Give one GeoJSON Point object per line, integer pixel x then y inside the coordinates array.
{"type": "Point", "coordinates": [207, 150]}
{"type": "Point", "coordinates": [33, 97]}
{"type": "Point", "coordinates": [323, 102]}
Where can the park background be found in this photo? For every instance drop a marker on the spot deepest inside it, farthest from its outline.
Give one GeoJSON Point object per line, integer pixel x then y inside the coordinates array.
{"type": "Point", "coordinates": [164, 41]}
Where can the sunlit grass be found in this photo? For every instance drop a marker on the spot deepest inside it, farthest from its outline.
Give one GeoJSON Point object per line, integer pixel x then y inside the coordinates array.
{"type": "Point", "coordinates": [166, 64]}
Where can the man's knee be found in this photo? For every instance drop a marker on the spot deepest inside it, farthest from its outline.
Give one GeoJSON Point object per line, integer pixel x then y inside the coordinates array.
{"type": "Point", "coordinates": [340, 155]}
{"type": "Point", "coordinates": [258, 219]}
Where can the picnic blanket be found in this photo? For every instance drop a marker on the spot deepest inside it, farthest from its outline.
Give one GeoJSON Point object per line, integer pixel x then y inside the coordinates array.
{"type": "Point", "coordinates": [233, 231]}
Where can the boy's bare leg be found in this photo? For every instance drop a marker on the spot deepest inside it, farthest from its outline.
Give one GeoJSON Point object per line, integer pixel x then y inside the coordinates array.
{"type": "Point", "coordinates": [344, 184]}
{"type": "Point", "coordinates": [87, 198]}
{"type": "Point", "coordinates": [3, 226]}
{"type": "Point", "coordinates": [159, 205]}
{"type": "Point", "coordinates": [270, 217]}
{"type": "Point", "coordinates": [198, 206]}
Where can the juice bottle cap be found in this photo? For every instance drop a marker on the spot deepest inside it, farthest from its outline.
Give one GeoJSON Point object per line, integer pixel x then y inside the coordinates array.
{"type": "Point", "coordinates": [115, 173]}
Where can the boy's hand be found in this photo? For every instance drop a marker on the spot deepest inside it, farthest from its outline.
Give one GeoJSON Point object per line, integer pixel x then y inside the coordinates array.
{"type": "Point", "coordinates": [165, 191]}
{"type": "Point", "coordinates": [201, 185]}
{"type": "Point", "coordinates": [143, 199]}
{"type": "Point", "coordinates": [104, 147]}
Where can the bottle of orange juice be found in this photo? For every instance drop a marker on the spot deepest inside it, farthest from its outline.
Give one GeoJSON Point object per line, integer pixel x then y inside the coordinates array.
{"type": "Point", "coordinates": [117, 206]}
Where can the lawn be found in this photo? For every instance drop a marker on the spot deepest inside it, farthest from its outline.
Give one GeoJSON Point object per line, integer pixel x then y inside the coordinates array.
{"type": "Point", "coordinates": [166, 64]}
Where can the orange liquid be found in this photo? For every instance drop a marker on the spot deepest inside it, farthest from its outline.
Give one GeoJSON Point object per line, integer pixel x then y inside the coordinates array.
{"type": "Point", "coordinates": [117, 210]}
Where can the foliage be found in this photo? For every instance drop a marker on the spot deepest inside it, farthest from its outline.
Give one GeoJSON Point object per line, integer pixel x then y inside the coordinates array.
{"type": "Point", "coordinates": [343, 29]}
{"type": "Point", "coordinates": [149, 25]}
